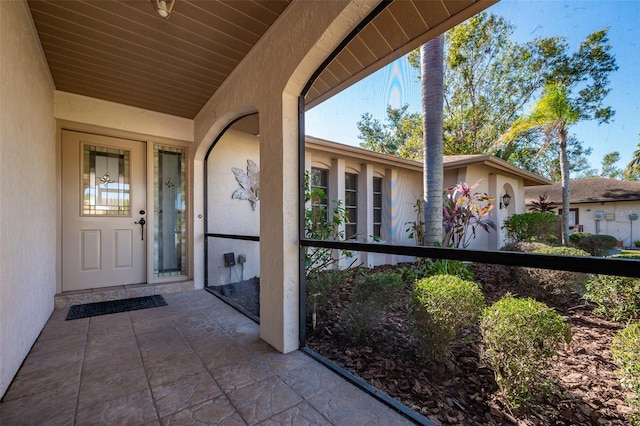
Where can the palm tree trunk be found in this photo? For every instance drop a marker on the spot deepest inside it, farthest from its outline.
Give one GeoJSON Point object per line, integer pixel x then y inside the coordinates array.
{"type": "Point", "coordinates": [564, 175]}
{"type": "Point", "coordinates": [432, 72]}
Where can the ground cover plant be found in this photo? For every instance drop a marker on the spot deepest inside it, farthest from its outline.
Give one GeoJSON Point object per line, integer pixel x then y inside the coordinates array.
{"type": "Point", "coordinates": [626, 353]}
{"type": "Point", "coordinates": [583, 382]}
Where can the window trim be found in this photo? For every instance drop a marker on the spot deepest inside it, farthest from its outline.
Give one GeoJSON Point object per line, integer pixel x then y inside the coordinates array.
{"type": "Point", "coordinates": [349, 208]}
{"type": "Point", "coordinates": [377, 196]}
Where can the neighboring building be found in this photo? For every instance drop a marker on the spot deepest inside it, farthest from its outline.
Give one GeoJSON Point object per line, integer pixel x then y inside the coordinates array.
{"type": "Point", "coordinates": [598, 206]}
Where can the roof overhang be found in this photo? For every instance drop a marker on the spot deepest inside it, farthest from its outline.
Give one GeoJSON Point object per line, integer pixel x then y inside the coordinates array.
{"type": "Point", "coordinates": [449, 162]}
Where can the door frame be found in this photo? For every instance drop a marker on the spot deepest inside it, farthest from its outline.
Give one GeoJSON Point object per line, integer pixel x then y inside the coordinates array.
{"type": "Point", "coordinates": [150, 141]}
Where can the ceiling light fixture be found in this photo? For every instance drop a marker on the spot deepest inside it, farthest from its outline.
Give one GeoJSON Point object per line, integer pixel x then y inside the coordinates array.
{"type": "Point", "coordinates": [163, 7]}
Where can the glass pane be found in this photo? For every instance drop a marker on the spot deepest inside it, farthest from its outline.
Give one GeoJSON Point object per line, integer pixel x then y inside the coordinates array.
{"type": "Point", "coordinates": [105, 181]}
{"type": "Point", "coordinates": [351, 198]}
{"type": "Point", "coordinates": [377, 185]}
{"type": "Point", "coordinates": [377, 199]}
{"type": "Point", "coordinates": [350, 231]}
{"type": "Point", "coordinates": [350, 181]}
{"type": "Point", "coordinates": [352, 215]}
{"type": "Point", "coordinates": [169, 209]}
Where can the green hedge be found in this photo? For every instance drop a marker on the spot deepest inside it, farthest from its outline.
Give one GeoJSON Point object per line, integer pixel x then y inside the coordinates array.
{"type": "Point", "coordinates": [442, 306]}
{"type": "Point", "coordinates": [520, 337]}
{"type": "Point", "coordinates": [531, 226]}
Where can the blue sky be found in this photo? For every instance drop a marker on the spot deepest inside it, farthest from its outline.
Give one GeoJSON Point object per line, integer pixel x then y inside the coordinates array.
{"type": "Point", "coordinates": [397, 84]}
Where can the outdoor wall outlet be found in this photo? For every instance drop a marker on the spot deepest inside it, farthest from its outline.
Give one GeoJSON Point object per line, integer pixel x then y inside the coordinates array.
{"type": "Point", "coordinates": [242, 259]}
{"type": "Point", "coordinates": [229, 259]}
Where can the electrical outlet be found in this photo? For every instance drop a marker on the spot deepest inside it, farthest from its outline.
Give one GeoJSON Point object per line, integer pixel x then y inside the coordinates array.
{"type": "Point", "coordinates": [229, 259]}
{"type": "Point", "coordinates": [242, 259]}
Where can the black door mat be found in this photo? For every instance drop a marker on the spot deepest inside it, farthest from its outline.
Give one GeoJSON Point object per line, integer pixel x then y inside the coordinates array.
{"type": "Point", "coordinates": [115, 306]}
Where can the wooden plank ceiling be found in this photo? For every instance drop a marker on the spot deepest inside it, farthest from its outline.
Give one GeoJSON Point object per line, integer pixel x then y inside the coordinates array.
{"type": "Point", "coordinates": [121, 51]}
{"type": "Point", "coordinates": [403, 26]}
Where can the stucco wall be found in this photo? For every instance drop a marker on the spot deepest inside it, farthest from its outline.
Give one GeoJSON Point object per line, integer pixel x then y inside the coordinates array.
{"type": "Point", "coordinates": [82, 109]}
{"type": "Point", "coordinates": [292, 49]}
{"type": "Point", "coordinates": [619, 226]}
{"type": "Point", "coordinates": [28, 189]}
{"type": "Point", "coordinates": [227, 215]}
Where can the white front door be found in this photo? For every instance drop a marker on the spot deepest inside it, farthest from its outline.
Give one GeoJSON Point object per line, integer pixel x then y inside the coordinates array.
{"type": "Point", "coordinates": [103, 199]}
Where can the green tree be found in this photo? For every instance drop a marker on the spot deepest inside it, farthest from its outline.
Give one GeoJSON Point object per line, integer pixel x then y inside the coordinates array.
{"type": "Point", "coordinates": [551, 115]}
{"type": "Point", "coordinates": [488, 80]}
{"type": "Point", "coordinates": [576, 91]}
{"type": "Point", "coordinates": [432, 72]}
{"type": "Point", "coordinates": [399, 135]}
{"type": "Point", "coordinates": [609, 168]}
{"type": "Point", "coordinates": [632, 170]}
{"type": "Point", "coordinates": [528, 156]}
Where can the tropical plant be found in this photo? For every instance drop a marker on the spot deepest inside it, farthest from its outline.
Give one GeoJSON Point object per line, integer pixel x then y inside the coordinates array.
{"type": "Point", "coordinates": [520, 336]}
{"type": "Point", "coordinates": [543, 205]}
{"type": "Point", "coordinates": [442, 306]}
{"type": "Point", "coordinates": [552, 114]}
{"type": "Point", "coordinates": [585, 72]}
{"type": "Point", "coordinates": [463, 214]}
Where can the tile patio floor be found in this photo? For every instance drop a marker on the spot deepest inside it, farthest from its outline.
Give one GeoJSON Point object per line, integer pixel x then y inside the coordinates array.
{"type": "Point", "coordinates": [195, 361]}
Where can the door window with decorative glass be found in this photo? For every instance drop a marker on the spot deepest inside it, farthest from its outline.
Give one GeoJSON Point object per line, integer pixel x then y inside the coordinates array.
{"type": "Point", "coordinates": [170, 246]}
{"type": "Point", "coordinates": [105, 181]}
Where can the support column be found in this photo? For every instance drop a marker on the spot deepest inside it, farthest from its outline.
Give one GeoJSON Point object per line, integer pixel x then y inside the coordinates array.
{"type": "Point", "coordinates": [279, 287]}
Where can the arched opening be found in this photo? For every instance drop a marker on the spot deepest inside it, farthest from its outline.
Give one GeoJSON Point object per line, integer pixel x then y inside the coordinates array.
{"type": "Point", "coordinates": [232, 215]}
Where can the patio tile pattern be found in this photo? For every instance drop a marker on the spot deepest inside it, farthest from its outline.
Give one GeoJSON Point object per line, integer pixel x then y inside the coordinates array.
{"type": "Point", "coordinates": [196, 361]}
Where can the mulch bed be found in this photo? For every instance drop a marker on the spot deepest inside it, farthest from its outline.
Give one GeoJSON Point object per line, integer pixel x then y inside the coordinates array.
{"type": "Point", "coordinates": [586, 388]}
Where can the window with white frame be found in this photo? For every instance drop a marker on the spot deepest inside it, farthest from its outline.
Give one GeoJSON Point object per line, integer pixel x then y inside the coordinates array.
{"type": "Point", "coordinates": [377, 207]}
{"type": "Point", "coordinates": [319, 186]}
{"type": "Point", "coordinates": [351, 205]}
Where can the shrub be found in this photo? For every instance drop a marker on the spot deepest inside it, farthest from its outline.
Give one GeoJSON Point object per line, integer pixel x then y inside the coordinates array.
{"type": "Point", "coordinates": [323, 286]}
{"type": "Point", "coordinates": [442, 306]}
{"type": "Point", "coordinates": [617, 297]}
{"type": "Point", "coordinates": [597, 245]}
{"type": "Point", "coordinates": [520, 336]}
{"type": "Point", "coordinates": [372, 294]}
{"type": "Point", "coordinates": [562, 284]}
{"type": "Point", "coordinates": [576, 237]}
{"type": "Point", "coordinates": [626, 353]}
{"type": "Point", "coordinates": [627, 254]}
{"type": "Point", "coordinates": [562, 251]}
{"type": "Point", "coordinates": [531, 226]}
{"type": "Point", "coordinates": [449, 267]}
{"type": "Point", "coordinates": [524, 246]}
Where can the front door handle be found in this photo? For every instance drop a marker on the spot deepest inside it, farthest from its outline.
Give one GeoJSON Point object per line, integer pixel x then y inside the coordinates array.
{"type": "Point", "coordinates": [141, 222]}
